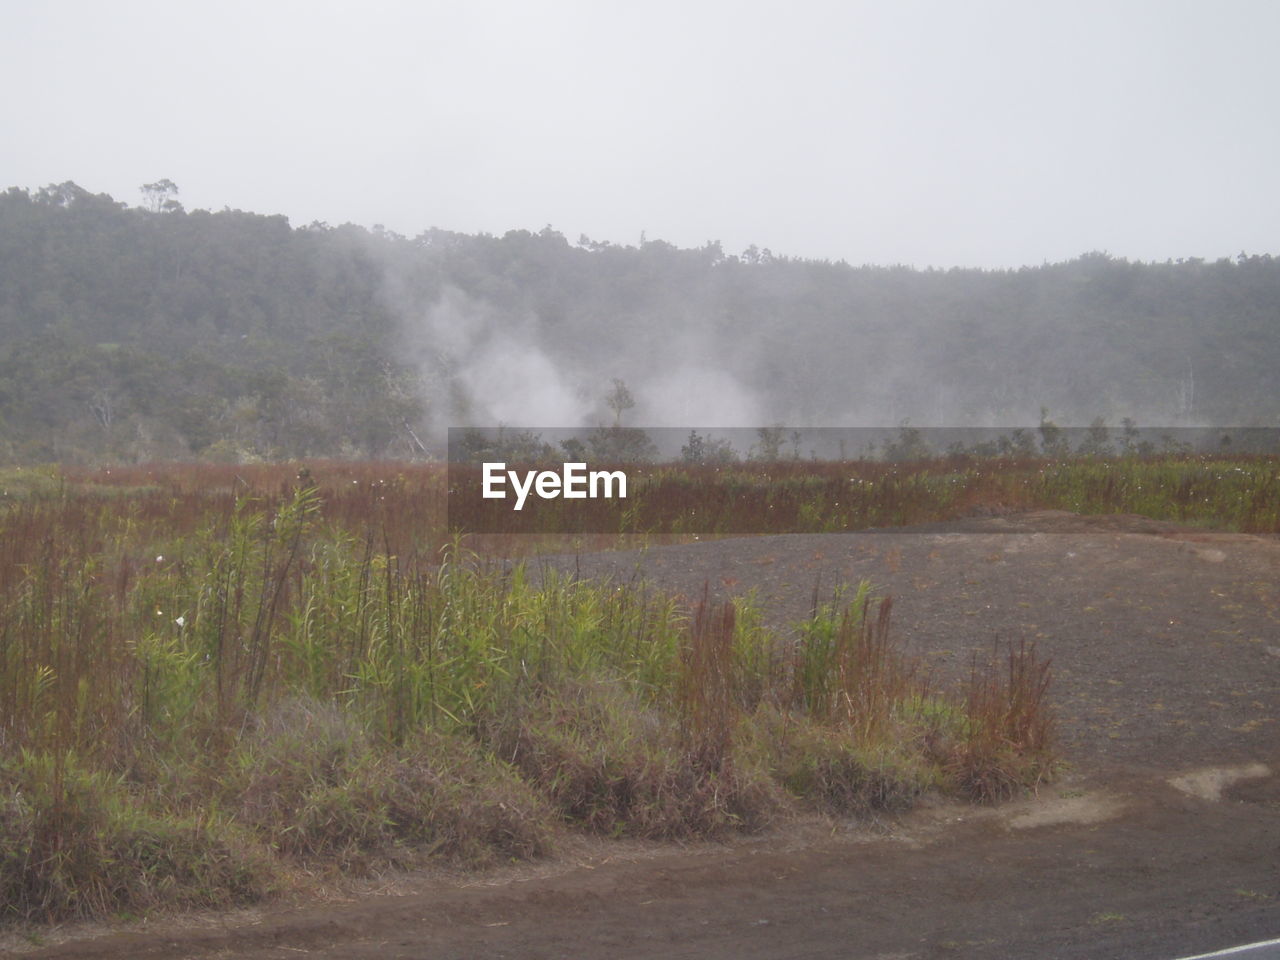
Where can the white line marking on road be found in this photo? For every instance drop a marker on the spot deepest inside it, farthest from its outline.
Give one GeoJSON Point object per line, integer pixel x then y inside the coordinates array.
{"type": "Point", "coordinates": [1233, 950]}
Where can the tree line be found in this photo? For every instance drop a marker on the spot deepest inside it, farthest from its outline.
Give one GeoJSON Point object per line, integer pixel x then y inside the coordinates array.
{"type": "Point", "coordinates": [152, 332]}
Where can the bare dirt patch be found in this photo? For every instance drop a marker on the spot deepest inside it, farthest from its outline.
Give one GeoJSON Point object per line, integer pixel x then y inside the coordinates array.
{"type": "Point", "coordinates": [1095, 808]}
{"type": "Point", "coordinates": [1209, 783]}
{"type": "Point", "coordinates": [1159, 634]}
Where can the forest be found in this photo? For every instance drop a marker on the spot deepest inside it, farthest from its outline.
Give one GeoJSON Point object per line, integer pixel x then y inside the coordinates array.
{"type": "Point", "coordinates": [135, 333]}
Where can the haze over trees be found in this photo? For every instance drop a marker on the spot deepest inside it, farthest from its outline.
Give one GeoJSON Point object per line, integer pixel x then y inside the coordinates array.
{"type": "Point", "coordinates": [147, 332]}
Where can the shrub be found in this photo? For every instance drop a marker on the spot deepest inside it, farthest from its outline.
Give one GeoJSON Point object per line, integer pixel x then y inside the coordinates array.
{"type": "Point", "coordinates": [317, 788]}
{"type": "Point", "coordinates": [607, 763]}
{"type": "Point", "coordinates": [77, 843]}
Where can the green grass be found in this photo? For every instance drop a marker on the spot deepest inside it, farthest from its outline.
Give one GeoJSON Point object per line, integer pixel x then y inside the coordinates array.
{"type": "Point", "coordinates": [215, 681]}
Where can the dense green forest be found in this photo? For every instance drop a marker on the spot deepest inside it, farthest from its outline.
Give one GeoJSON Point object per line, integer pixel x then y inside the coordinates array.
{"type": "Point", "coordinates": [151, 332]}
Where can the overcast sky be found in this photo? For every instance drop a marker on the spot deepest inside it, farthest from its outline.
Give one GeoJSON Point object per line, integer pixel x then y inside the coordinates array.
{"type": "Point", "coordinates": [940, 133]}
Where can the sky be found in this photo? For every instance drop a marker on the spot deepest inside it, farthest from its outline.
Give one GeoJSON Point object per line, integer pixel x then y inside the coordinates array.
{"type": "Point", "coordinates": [988, 133]}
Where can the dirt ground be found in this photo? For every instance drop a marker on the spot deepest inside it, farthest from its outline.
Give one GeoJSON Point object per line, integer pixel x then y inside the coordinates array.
{"type": "Point", "coordinates": [1161, 840]}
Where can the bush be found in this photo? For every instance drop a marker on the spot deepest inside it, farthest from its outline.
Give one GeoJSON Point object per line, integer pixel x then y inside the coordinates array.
{"type": "Point", "coordinates": [607, 763]}
{"type": "Point", "coordinates": [75, 843]}
{"type": "Point", "coordinates": [317, 788]}
{"type": "Point", "coordinates": [831, 767]}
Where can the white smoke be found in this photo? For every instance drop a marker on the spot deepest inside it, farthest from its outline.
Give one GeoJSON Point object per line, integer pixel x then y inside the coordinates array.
{"type": "Point", "coordinates": [483, 367]}
{"type": "Point", "coordinates": [695, 396]}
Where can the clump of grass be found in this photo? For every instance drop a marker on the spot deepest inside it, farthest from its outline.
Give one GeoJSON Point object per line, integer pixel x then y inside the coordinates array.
{"type": "Point", "coordinates": [80, 843]}
{"type": "Point", "coordinates": [847, 664]}
{"type": "Point", "coordinates": [705, 689]}
{"type": "Point", "coordinates": [317, 788]}
{"type": "Point", "coordinates": [835, 770]}
{"type": "Point", "coordinates": [610, 764]}
{"type": "Point", "coordinates": [1008, 728]}
{"type": "Point", "coordinates": [857, 734]}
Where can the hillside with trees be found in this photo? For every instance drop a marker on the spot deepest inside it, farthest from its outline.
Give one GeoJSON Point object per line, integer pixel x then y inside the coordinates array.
{"type": "Point", "coordinates": [152, 332]}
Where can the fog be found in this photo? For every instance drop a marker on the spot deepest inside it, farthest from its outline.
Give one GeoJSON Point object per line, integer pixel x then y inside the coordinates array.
{"type": "Point", "coordinates": [833, 214]}
{"type": "Point", "coordinates": [993, 133]}
{"type": "Point", "coordinates": [486, 366]}
{"type": "Point", "coordinates": [704, 339]}
{"type": "Point", "coordinates": [489, 367]}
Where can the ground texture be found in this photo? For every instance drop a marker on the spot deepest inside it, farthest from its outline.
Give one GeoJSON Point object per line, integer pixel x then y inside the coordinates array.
{"type": "Point", "coordinates": [1162, 839]}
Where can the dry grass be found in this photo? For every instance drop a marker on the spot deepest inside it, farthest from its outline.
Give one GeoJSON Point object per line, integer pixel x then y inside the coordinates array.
{"type": "Point", "coordinates": [1009, 742]}
{"type": "Point", "coordinates": [209, 680]}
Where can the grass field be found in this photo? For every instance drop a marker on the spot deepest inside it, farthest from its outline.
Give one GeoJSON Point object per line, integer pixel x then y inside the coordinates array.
{"type": "Point", "coordinates": [1238, 494]}
{"type": "Point", "coordinates": [215, 681]}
